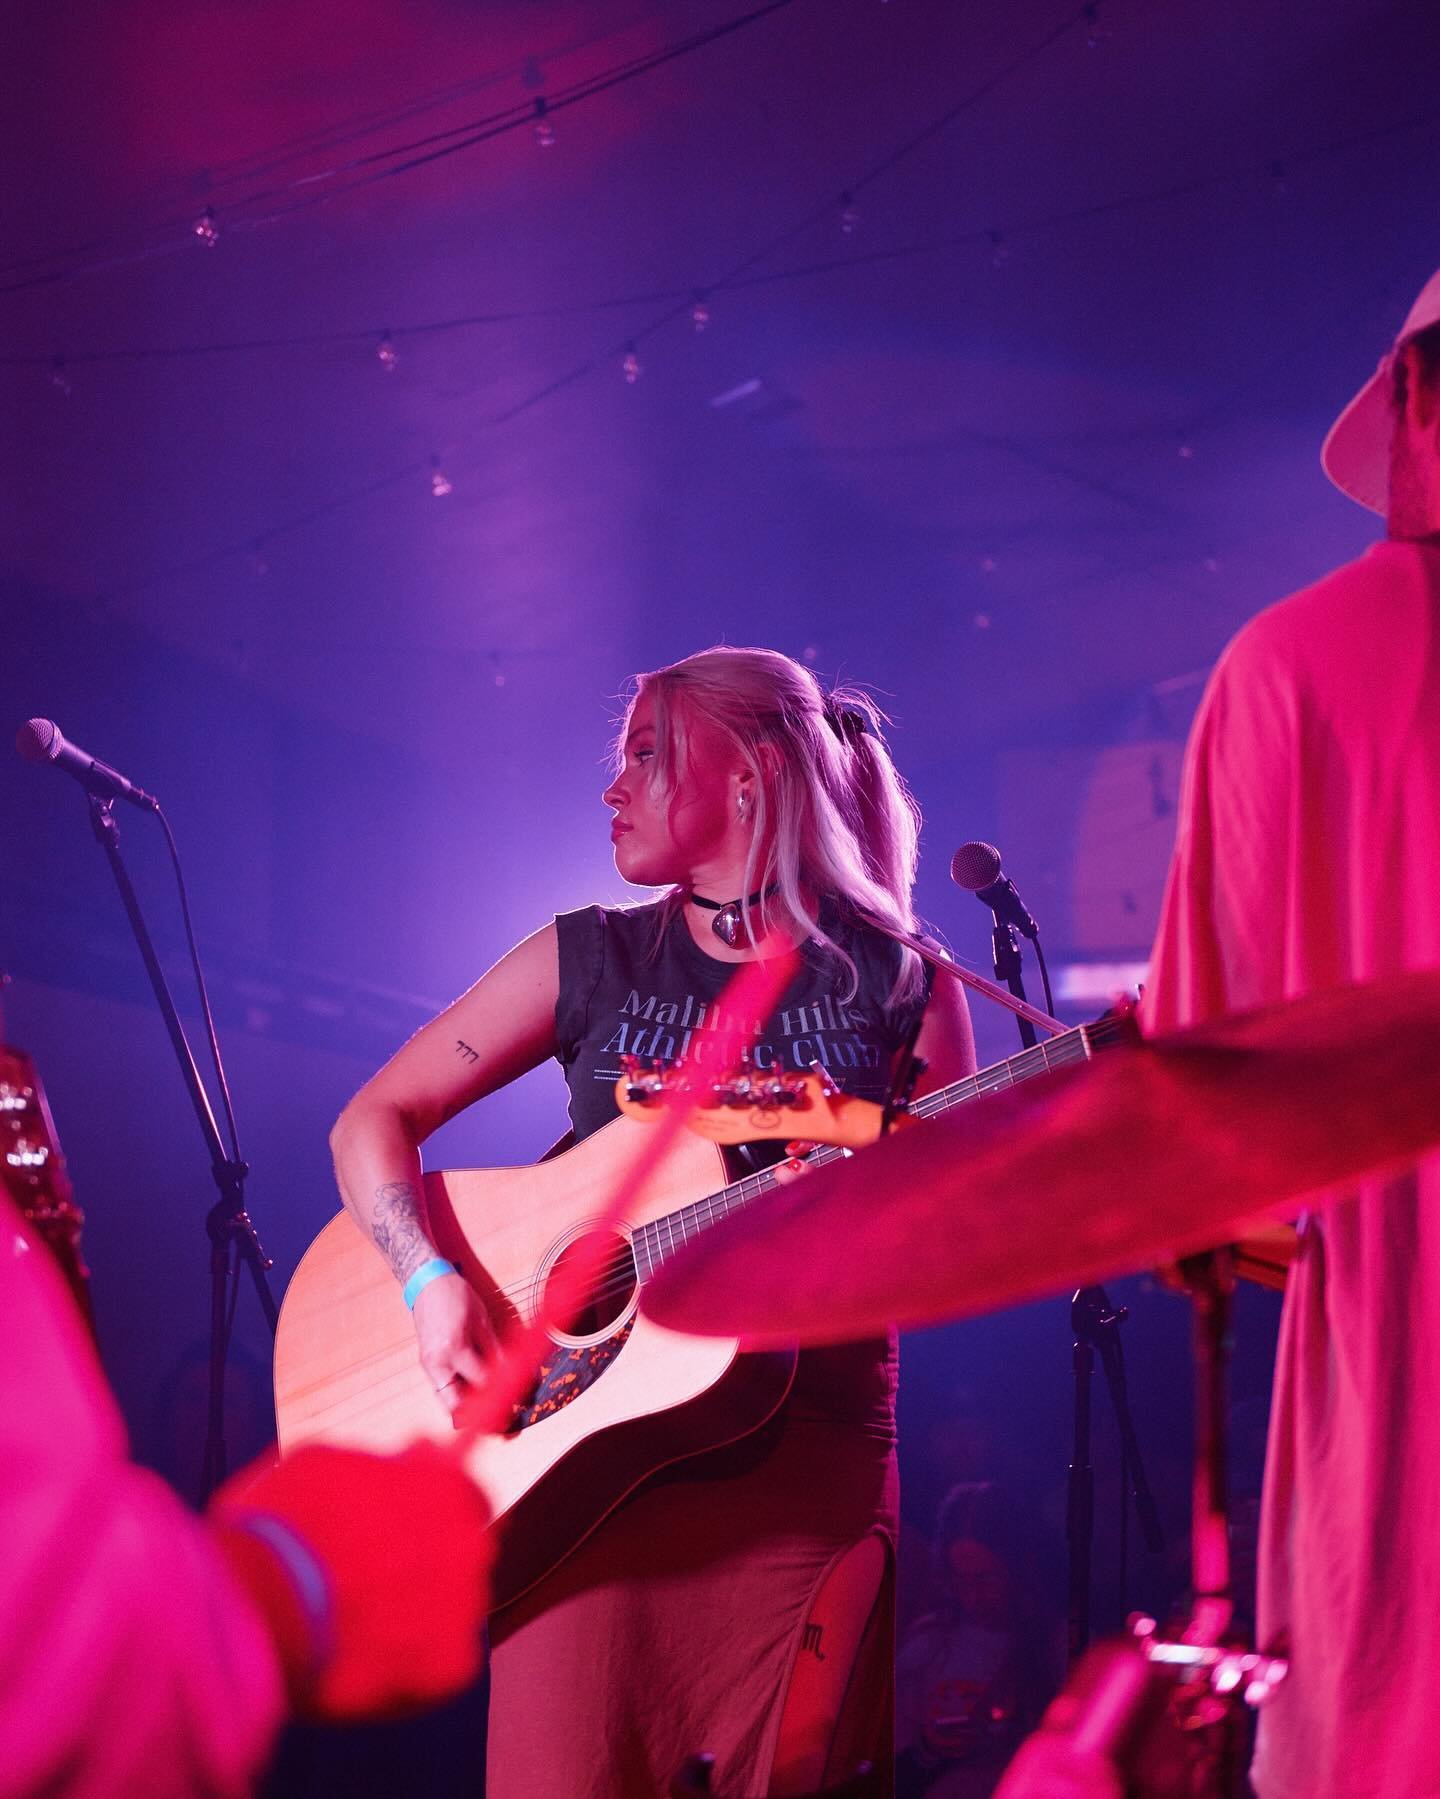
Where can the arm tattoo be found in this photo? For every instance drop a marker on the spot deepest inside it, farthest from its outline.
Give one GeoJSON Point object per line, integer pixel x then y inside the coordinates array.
{"type": "Point", "coordinates": [462, 1048]}
{"type": "Point", "coordinates": [398, 1227]}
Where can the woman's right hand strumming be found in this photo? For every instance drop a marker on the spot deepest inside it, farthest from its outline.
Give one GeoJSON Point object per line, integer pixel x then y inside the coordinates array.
{"type": "Point", "coordinates": [456, 1338]}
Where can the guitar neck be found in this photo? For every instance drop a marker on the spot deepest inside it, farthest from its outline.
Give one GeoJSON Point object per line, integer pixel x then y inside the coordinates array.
{"type": "Point", "coordinates": [1070, 1047]}
{"type": "Point", "coordinates": [656, 1242]}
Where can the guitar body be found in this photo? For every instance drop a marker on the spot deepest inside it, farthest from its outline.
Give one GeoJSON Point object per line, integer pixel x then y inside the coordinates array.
{"type": "Point", "coordinates": [617, 1399]}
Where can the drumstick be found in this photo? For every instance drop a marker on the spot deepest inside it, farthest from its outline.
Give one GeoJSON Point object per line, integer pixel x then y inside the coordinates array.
{"type": "Point", "coordinates": [752, 993]}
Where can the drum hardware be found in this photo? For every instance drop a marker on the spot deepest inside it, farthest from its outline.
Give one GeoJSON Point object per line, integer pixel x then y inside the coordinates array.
{"type": "Point", "coordinates": [1166, 1710]}
{"type": "Point", "coordinates": [1142, 1158]}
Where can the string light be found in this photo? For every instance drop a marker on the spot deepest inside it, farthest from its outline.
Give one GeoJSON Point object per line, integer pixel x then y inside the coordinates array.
{"type": "Point", "coordinates": [386, 354]}
{"type": "Point", "coordinates": [1095, 32]}
{"type": "Point", "coordinates": [59, 380]}
{"type": "Point", "coordinates": [544, 130]}
{"type": "Point", "coordinates": [700, 312]}
{"type": "Point", "coordinates": [207, 229]}
{"type": "Point", "coordinates": [1279, 182]}
{"type": "Point", "coordinates": [849, 214]}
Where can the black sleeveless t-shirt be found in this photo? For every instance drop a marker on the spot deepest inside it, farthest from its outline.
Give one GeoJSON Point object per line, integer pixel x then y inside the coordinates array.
{"type": "Point", "coordinates": [629, 987]}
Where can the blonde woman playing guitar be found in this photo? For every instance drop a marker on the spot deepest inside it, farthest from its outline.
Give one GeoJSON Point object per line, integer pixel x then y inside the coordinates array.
{"type": "Point", "coordinates": [737, 1601]}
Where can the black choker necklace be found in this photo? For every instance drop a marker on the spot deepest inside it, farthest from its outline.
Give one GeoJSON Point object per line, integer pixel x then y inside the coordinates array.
{"type": "Point", "coordinates": [728, 920]}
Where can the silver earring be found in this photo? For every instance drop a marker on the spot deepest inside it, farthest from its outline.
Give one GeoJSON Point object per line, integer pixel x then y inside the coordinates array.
{"type": "Point", "coordinates": [740, 808]}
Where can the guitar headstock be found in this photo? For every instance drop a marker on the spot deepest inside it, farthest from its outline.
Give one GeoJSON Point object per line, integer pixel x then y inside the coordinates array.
{"type": "Point", "coordinates": [31, 1165]}
{"type": "Point", "coordinates": [750, 1105]}
{"type": "Point", "coordinates": [32, 1168]}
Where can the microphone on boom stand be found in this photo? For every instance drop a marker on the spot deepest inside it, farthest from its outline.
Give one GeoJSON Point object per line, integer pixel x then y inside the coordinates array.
{"type": "Point", "coordinates": [976, 868]}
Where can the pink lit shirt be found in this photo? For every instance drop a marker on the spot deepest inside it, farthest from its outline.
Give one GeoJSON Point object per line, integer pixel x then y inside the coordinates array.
{"type": "Point", "coordinates": [1308, 855]}
{"type": "Point", "coordinates": [130, 1661]}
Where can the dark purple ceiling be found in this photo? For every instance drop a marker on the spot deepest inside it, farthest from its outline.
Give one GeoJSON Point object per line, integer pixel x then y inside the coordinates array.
{"type": "Point", "coordinates": [1006, 493]}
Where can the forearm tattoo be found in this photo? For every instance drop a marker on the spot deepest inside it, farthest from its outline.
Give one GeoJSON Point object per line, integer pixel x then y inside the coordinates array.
{"type": "Point", "coordinates": [398, 1227]}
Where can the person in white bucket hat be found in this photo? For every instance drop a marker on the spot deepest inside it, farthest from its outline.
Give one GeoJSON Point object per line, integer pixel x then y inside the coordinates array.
{"type": "Point", "coordinates": [1307, 856]}
{"type": "Point", "coordinates": [1357, 453]}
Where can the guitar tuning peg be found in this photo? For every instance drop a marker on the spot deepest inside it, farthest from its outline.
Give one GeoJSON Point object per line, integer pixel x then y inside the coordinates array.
{"type": "Point", "coordinates": [734, 1088]}
{"type": "Point", "coordinates": [644, 1081]}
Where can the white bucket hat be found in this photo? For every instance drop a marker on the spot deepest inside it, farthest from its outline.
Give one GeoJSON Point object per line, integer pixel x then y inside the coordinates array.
{"type": "Point", "coordinates": [1356, 454]}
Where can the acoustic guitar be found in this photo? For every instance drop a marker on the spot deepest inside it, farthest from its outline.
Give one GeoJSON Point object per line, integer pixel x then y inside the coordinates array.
{"type": "Point", "coordinates": [619, 1396]}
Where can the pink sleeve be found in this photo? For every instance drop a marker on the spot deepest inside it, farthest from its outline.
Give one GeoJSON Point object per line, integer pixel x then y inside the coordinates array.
{"type": "Point", "coordinates": [1218, 948]}
{"type": "Point", "coordinates": [129, 1659]}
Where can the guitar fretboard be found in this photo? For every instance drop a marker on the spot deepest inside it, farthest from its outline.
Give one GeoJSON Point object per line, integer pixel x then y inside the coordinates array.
{"type": "Point", "coordinates": [654, 1243]}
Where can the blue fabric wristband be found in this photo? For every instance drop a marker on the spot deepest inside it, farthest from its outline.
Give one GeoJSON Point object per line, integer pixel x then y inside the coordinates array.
{"type": "Point", "coordinates": [423, 1275]}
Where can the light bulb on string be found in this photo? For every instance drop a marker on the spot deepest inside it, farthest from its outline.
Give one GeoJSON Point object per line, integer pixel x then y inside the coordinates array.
{"type": "Point", "coordinates": [849, 214]}
{"type": "Point", "coordinates": [999, 250]}
{"type": "Point", "coordinates": [631, 364]}
{"type": "Point", "coordinates": [1279, 181]}
{"type": "Point", "coordinates": [386, 354]}
{"type": "Point", "coordinates": [440, 483]}
{"type": "Point", "coordinates": [206, 228]}
{"type": "Point", "coordinates": [699, 311]}
{"type": "Point", "coordinates": [60, 379]}
{"type": "Point", "coordinates": [1095, 33]}
{"type": "Point", "coordinates": [544, 130]}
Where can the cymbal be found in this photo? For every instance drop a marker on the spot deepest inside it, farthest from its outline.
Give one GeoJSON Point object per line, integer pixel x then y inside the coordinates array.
{"type": "Point", "coordinates": [1150, 1151]}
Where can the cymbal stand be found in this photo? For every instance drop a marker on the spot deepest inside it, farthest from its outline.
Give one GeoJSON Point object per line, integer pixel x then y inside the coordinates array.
{"type": "Point", "coordinates": [1164, 1710]}
{"type": "Point", "coordinates": [1096, 1324]}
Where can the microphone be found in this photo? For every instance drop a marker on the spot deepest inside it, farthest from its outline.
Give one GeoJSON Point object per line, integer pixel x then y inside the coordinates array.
{"type": "Point", "coordinates": [41, 740]}
{"type": "Point", "coordinates": [976, 867]}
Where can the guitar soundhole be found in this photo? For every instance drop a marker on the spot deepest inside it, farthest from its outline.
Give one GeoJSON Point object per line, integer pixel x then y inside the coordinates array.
{"type": "Point", "coordinates": [611, 1291]}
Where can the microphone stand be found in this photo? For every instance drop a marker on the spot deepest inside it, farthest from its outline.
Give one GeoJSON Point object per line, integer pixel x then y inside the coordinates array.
{"type": "Point", "coordinates": [1005, 944]}
{"type": "Point", "coordinates": [227, 1223]}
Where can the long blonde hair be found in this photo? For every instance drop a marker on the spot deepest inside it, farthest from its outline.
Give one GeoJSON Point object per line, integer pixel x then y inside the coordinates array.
{"type": "Point", "coordinates": [832, 814]}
